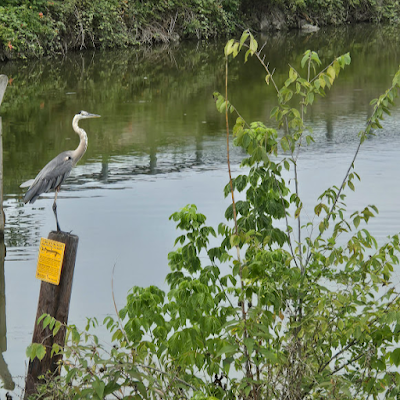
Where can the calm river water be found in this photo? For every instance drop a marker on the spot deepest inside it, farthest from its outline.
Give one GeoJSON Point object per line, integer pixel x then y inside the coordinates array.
{"type": "Point", "coordinates": [160, 145]}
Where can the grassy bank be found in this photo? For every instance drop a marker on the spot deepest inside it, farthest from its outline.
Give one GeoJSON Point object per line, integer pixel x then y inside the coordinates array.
{"type": "Point", "coordinates": [41, 27]}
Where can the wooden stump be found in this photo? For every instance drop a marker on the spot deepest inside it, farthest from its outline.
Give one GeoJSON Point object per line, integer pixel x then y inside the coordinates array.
{"type": "Point", "coordinates": [53, 300]}
{"type": "Point", "coordinates": [3, 86]}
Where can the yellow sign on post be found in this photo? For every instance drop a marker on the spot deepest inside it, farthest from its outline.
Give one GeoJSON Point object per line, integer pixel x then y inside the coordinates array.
{"type": "Point", "coordinates": [51, 255]}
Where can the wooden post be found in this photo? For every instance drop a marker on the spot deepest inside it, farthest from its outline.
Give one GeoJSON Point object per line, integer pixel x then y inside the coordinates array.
{"type": "Point", "coordinates": [53, 300]}
{"type": "Point", "coordinates": [3, 86]}
{"type": "Point", "coordinates": [2, 216]}
{"type": "Point", "coordinates": [4, 372]}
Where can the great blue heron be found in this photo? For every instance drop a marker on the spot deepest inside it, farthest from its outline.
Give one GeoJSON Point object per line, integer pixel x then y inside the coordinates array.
{"type": "Point", "coordinates": [58, 169]}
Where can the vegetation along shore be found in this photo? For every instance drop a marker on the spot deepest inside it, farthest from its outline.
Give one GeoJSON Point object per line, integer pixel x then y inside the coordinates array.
{"type": "Point", "coordinates": [42, 27]}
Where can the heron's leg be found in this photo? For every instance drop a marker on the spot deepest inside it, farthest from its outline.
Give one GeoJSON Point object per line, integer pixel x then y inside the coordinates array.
{"type": "Point", "coordinates": [55, 209]}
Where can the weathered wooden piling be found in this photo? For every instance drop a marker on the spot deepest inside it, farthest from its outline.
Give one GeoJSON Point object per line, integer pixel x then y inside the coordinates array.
{"type": "Point", "coordinates": [3, 86]}
{"type": "Point", "coordinates": [53, 300]}
{"type": "Point", "coordinates": [5, 374]}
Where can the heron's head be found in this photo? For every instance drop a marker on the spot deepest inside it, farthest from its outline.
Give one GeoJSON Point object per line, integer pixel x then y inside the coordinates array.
{"type": "Point", "coordinates": [85, 114]}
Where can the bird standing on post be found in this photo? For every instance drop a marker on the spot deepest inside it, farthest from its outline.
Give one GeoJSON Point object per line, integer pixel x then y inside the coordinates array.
{"type": "Point", "coordinates": [58, 169]}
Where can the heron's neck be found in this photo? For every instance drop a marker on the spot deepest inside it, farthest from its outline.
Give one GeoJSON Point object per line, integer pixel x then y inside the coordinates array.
{"type": "Point", "coordinates": [83, 142]}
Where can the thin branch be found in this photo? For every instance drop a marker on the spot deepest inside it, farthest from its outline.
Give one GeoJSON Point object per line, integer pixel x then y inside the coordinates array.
{"type": "Point", "coordinates": [115, 305]}
{"type": "Point", "coordinates": [372, 386]}
{"type": "Point", "coordinates": [287, 224]}
{"type": "Point", "coordinates": [353, 342]}
{"type": "Point", "coordinates": [228, 155]}
{"type": "Point", "coordinates": [248, 367]}
{"type": "Point", "coordinates": [348, 363]}
{"type": "Point", "coordinates": [226, 296]}
{"type": "Point", "coordinates": [166, 373]}
{"type": "Point", "coordinates": [322, 71]}
{"type": "Point", "coordinates": [344, 180]}
{"type": "Point", "coordinates": [363, 134]}
{"type": "Point", "coordinates": [266, 67]}
{"type": "Point", "coordinates": [298, 220]}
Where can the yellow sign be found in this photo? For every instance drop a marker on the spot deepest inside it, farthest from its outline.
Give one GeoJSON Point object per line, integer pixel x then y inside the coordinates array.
{"type": "Point", "coordinates": [51, 255]}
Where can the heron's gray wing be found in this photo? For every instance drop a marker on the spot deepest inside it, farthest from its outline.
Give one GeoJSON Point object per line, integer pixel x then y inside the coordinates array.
{"type": "Point", "coordinates": [51, 176]}
{"type": "Point", "coordinates": [27, 183]}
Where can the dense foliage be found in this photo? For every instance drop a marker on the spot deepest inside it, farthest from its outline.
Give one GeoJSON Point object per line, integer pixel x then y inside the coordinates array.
{"type": "Point", "coordinates": [35, 28]}
{"type": "Point", "coordinates": [42, 27]}
{"type": "Point", "coordinates": [330, 12]}
{"type": "Point", "coordinates": [305, 311]}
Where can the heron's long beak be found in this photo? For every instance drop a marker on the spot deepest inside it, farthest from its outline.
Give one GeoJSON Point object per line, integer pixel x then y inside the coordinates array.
{"type": "Point", "coordinates": [93, 116]}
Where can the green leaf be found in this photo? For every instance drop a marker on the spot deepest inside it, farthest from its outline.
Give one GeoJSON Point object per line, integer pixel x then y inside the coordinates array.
{"type": "Point", "coordinates": [315, 58]}
{"type": "Point", "coordinates": [347, 58]}
{"type": "Point", "coordinates": [229, 47]}
{"type": "Point", "coordinates": [40, 352]}
{"type": "Point", "coordinates": [31, 351]}
{"type": "Point", "coordinates": [226, 364]}
{"type": "Point", "coordinates": [292, 77]}
{"type": "Point", "coordinates": [247, 55]}
{"type": "Point", "coordinates": [274, 111]}
{"type": "Point", "coordinates": [249, 343]}
{"type": "Point", "coordinates": [234, 240]}
{"type": "Point", "coordinates": [76, 337]}
{"type": "Point", "coordinates": [47, 321]}
{"type": "Point", "coordinates": [310, 98]}
{"type": "Point", "coordinates": [42, 317]}
{"type": "Point", "coordinates": [286, 165]}
{"type": "Point", "coordinates": [395, 357]}
{"type": "Point", "coordinates": [340, 324]}
{"type": "Point", "coordinates": [322, 82]}
{"type": "Point", "coordinates": [70, 375]}
{"type": "Point", "coordinates": [322, 226]}
{"type": "Point", "coordinates": [285, 143]}
{"type": "Point", "coordinates": [235, 49]}
{"type": "Point", "coordinates": [36, 350]}
{"type": "Point", "coordinates": [305, 58]}
{"type": "Point", "coordinates": [228, 350]}
{"type": "Point", "coordinates": [99, 386]}
{"type": "Point", "coordinates": [111, 387]}
{"type": "Point", "coordinates": [295, 113]}
{"type": "Point", "coordinates": [244, 37]}
{"type": "Point", "coordinates": [55, 349]}
{"type": "Point", "coordinates": [331, 73]}
{"type": "Point", "coordinates": [309, 139]}
{"type": "Point", "coordinates": [57, 327]}
{"type": "Point", "coordinates": [253, 44]}
{"type": "Point", "coordinates": [298, 211]}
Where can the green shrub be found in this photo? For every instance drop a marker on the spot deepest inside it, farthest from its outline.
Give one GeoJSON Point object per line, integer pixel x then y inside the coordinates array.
{"type": "Point", "coordinates": [27, 31]}
{"type": "Point", "coordinates": [306, 311]}
{"type": "Point", "coordinates": [44, 27]}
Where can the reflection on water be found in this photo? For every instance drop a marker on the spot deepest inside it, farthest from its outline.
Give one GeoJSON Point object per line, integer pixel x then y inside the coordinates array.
{"type": "Point", "coordinates": [164, 98]}
{"type": "Point", "coordinates": [160, 144]}
{"type": "Point", "coordinates": [5, 374]}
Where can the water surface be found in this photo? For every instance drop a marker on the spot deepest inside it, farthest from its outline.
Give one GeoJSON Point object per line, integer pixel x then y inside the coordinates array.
{"type": "Point", "coordinates": [160, 145]}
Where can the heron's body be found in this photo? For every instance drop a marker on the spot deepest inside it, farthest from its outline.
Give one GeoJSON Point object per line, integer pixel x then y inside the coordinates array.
{"type": "Point", "coordinates": [50, 177]}
{"type": "Point", "coordinates": [58, 169]}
